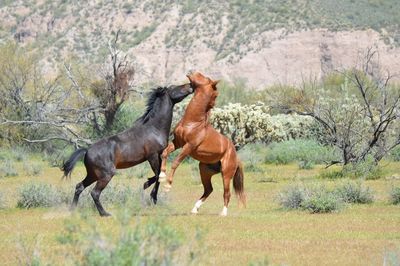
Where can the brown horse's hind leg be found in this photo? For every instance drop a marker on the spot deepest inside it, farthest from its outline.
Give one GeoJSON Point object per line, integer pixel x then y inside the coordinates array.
{"type": "Point", "coordinates": [228, 171]}
{"type": "Point", "coordinates": [100, 185]}
{"type": "Point", "coordinates": [206, 173]}
{"type": "Point", "coordinates": [81, 187]}
{"type": "Point", "coordinates": [170, 148]}
{"type": "Point", "coordinates": [186, 150]}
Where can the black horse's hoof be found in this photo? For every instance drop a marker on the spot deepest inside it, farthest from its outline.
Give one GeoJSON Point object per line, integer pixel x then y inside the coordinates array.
{"type": "Point", "coordinates": [146, 185]}
{"type": "Point", "coordinates": [105, 214]}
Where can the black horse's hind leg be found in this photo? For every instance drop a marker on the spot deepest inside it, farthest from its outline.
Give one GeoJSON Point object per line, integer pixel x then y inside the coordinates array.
{"type": "Point", "coordinates": [155, 163]}
{"type": "Point", "coordinates": [100, 185]}
{"type": "Point", "coordinates": [81, 187]}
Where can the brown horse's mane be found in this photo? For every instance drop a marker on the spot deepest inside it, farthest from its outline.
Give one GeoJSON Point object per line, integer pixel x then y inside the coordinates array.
{"type": "Point", "coordinates": [153, 95]}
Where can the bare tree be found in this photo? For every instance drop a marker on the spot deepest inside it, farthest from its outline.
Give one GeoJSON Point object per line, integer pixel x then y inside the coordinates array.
{"type": "Point", "coordinates": [361, 116]}
{"type": "Point", "coordinates": [113, 87]}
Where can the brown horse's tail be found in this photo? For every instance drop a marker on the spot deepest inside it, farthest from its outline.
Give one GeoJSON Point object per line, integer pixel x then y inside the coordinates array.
{"type": "Point", "coordinates": [238, 184]}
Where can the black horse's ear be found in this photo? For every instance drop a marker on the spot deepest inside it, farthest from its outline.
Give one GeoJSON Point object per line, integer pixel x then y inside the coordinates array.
{"type": "Point", "coordinates": [214, 84]}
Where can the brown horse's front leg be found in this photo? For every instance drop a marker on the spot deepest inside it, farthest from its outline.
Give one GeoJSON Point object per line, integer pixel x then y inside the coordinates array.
{"type": "Point", "coordinates": [186, 150]}
{"type": "Point", "coordinates": [170, 148]}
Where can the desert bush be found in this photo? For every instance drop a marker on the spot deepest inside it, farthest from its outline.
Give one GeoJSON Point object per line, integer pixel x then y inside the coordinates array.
{"type": "Point", "coordinates": [37, 194]}
{"type": "Point", "coordinates": [150, 242]}
{"type": "Point", "coordinates": [322, 201]}
{"type": "Point", "coordinates": [251, 123]}
{"type": "Point", "coordinates": [292, 197]}
{"type": "Point", "coordinates": [354, 192]}
{"type": "Point", "coordinates": [8, 168]}
{"type": "Point", "coordinates": [395, 154]}
{"type": "Point", "coordinates": [252, 155]}
{"type": "Point", "coordinates": [32, 168]}
{"type": "Point", "coordinates": [366, 169]}
{"type": "Point", "coordinates": [306, 152]}
{"type": "Point", "coordinates": [395, 195]}
{"type": "Point", "coordinates": [315, 199]}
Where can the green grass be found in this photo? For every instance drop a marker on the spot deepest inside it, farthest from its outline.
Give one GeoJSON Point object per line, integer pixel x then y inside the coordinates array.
{"type": "Point", "coordinates": [357, 235]}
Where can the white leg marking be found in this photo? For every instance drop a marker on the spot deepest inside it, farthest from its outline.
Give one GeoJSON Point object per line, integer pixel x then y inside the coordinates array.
{"type": "Point", "coordinates": [224, 211]}
{"type": "Point", "coordinates": [162, 177]}
{"type": "Point", "coordinates": [197, 206]}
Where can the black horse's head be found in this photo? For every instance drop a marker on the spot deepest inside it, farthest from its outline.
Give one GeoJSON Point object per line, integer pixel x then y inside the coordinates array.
{"type": "Point", "coordinates": [178, 93]}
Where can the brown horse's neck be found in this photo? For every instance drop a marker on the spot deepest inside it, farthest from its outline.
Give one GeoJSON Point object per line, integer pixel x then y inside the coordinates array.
{"type": "Point", "coordinates": [198, 108]}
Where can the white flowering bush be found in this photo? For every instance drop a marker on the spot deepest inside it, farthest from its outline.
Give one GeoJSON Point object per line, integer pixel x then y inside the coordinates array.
{"type": "Point", "coordinates": [252, 123]}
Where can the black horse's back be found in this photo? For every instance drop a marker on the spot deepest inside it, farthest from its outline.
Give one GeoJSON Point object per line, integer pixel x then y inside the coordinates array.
{"type": "Point", "coordinates": [70, 164]}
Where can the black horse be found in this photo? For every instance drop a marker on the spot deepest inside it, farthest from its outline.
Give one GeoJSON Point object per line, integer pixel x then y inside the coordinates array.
{"type": "Point", "coordinates": [144, 141]}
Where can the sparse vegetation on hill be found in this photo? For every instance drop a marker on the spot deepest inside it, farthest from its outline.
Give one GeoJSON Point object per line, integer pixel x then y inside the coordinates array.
{"type": "Point", "coordinates": [230, 28]}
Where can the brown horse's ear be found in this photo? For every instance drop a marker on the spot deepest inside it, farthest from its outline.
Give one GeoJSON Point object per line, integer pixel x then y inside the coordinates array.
{"type": "Point", "coordinates": [214, 84]}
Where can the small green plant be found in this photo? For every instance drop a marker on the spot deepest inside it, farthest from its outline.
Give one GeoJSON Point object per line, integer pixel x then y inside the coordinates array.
{"type": "Point", "coordinates": [355, 192]}
{"type": "Point", "coordinates": [36, 194]}
{"type": "Point", "coordinates": [306, 165]}
{"type": "Point", "coordinates": [395, 195]}
{"type": "Point", "coordinates": [2, 201]}
{"type": "Point", "coordinates": [8, 168]}
{"type": "Point", "coordinates": [335, 174]}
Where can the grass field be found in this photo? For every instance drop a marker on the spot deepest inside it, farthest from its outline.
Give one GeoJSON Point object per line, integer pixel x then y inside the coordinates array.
{"type": "Point", "coordinates": [356, 235]}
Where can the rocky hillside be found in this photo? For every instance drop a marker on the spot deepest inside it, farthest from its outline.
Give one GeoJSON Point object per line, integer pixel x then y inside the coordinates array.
{"type": "Point", "coordinates": [262, 42]}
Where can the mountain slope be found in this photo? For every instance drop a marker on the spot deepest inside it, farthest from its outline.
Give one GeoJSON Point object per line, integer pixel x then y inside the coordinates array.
{"type": "Point", "coordinates": [264, 42]}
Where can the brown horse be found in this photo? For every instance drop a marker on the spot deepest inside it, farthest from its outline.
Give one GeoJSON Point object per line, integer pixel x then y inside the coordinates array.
{"type": "Point", "coordinates": [201, 141]}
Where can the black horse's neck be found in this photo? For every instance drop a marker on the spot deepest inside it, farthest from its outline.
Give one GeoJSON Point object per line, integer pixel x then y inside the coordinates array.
{"type": "Point", "coordinates": [159, 110]}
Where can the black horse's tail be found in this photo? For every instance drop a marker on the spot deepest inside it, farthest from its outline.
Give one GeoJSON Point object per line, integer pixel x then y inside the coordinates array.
{"type": "Point", "coordinates": [69, 165]}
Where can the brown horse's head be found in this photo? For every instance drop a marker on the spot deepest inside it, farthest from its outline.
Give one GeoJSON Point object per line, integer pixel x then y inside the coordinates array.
{"type": "Point", "coordinates": [203, 84]}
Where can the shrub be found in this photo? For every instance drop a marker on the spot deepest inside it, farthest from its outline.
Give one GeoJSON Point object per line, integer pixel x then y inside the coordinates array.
{"type": "Point", "coordinates": [7, 168]}
{"type": "Point", "coordinates": [32, 169]}
{"type": "Point", "coordinates": [33, 195]}
{"type": "Point", "coordinates": [395, 154]}
{"type": "Point", "coordinates": [150, 242]}
{"type": "Point", "coordinates": [315, 199]}
{"type": "Point", "coordinates": [367, 169]}
{"type": "Point", "coordinates": [306, 152]}
{"type": "Point", "coordinates": [395, 195]}
{"type": "Point", "coordinates": [252, 156]}
{"type": "Point", "coordinates": [354, 192]}
{"type": "Point", "coordinates": [322, 201]}
{"type": "Point", "coordinates": [292, 197]}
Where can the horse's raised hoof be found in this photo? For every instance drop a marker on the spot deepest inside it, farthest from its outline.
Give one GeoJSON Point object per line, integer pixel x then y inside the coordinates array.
{"type": "Point", "coordinates": [194, 211]}
{"type": "Point", "coordinates": [162, 177]}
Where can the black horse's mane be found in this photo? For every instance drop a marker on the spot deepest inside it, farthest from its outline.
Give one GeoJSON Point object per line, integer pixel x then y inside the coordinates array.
{"type": "Point", "coordinates": [152, 97]}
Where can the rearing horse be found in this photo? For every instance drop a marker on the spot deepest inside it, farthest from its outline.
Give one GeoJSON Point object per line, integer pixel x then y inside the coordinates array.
{"type": "Point", "coordinates": [198, 139]}
{"type": "Point", "coordinates": [144, 141]}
